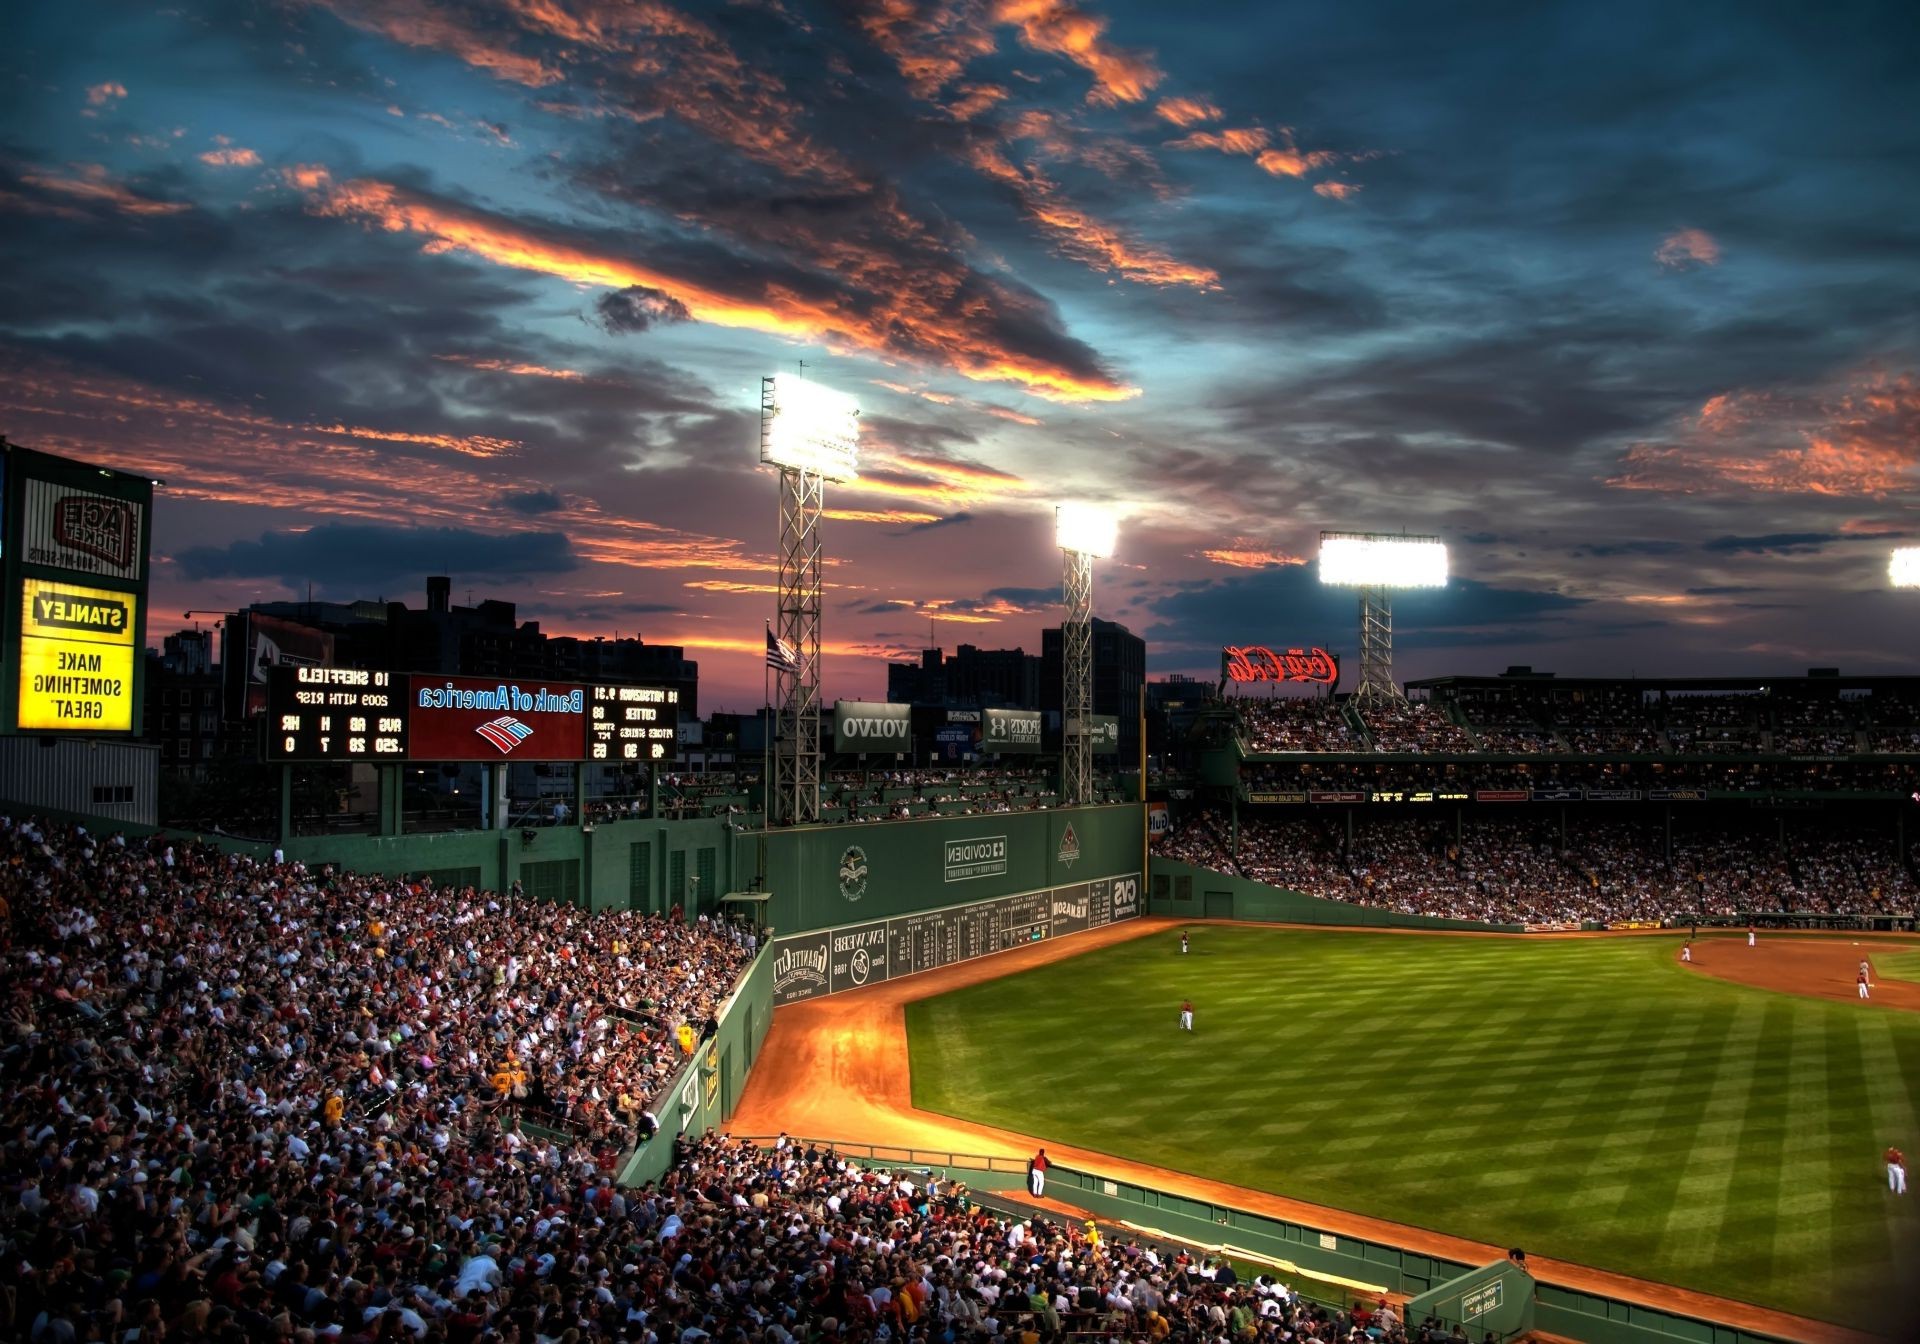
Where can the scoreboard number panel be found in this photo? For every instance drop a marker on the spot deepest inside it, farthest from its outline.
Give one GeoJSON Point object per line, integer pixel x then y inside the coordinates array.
{"type": "Point", "coordinates": [633, 723]}
{"type": "Point", "coordinates": [336, 714]}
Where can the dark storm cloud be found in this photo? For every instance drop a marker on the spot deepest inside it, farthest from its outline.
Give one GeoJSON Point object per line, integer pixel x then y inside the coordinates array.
{"type": "Point", "coordinates": [533, 503]}
{"type": "Point", "coordinates": [951, 520]}
{"type": "Point", "coordinates": [1774, 543]}
{"type": "Point", "coordinates": [1029, 598]}
{"type": "Point", "coordinates": [1211, 613]}
{"type": "Point", "coordinates": [637, 308]}
{"type": "Point", "coordinates": [338, 557]}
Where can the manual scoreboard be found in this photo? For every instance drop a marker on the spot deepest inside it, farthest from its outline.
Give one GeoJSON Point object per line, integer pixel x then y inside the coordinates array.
{"type": "Point", "coordinates": [336, 714]}
{"type": "Point", "coordinates": [633, 723]}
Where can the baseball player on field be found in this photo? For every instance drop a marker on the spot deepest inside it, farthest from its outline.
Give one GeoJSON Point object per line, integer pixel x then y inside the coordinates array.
{"type": "Point", "coordinates": [1186, 1014]}
{"type": "Point", "coordinates": [1862, 983]}
{"type": "Point", "coordinates": [1686, 953]}
{"type": "Point", "coordinates": [1752, 941]}
{"type": "Point", "coordinates": [1183, 942]}
{"type": "Point", "coordinates": [1896, 1171]}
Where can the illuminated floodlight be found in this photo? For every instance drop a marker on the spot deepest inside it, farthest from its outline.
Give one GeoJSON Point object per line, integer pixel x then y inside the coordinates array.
{"type": "Point", "coordinates": [1903, 567]}
{"type": "Point", "coordinates": [1369, 560]}
{"type": "Point", "coordinates": [1086, 529]}
{"type": "Point", "coordinates": [807, 427]}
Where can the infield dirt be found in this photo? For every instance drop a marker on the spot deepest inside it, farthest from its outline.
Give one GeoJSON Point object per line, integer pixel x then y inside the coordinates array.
{"type": "Point", "coordinates": [837, 1068]}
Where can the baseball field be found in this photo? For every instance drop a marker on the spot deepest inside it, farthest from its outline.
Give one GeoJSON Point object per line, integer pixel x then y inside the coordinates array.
{"type": "Point", "coordinates": [1588, 1099]}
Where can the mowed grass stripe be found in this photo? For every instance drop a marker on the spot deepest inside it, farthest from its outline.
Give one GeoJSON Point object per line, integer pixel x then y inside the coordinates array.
{"type": "Point", "coordinates": [1589, 1099]}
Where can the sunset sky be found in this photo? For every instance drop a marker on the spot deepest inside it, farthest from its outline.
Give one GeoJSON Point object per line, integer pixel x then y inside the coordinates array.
{"type": "Point", "coordinates": [1622, 300]}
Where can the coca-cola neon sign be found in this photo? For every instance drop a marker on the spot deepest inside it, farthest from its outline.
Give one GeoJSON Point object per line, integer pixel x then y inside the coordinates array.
{"type": "Point", "coordinates": [1257, 662]}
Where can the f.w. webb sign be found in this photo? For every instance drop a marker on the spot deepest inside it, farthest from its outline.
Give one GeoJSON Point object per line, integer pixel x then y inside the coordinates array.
{"type": "Point", "coordinates": [862, 727]}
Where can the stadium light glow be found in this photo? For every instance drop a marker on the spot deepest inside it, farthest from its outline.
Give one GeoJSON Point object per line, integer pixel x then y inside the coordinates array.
{"type": "Point", "coordinates": [1367, 560]}
{"type": "Point", "coordinates": [1086, 529]}
{"type": "Point", "coordinates": [1903, 567]}
{"type": "Point", "coordinates": [807, 427]}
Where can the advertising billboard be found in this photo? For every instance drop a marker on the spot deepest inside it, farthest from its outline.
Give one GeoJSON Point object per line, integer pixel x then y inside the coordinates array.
{"type": "Point", "coordinates": [256, 647]}
{"type": "Point", "coordinates": [76, 657]}
{"type": "Point", "coordinates": [477, 719]}
{"type": "Point", "coordinates": [633, 723]}
{"type": "Point", "coordinates": [1256, 663]}
{"type": "Point", "coordinates": [1013, 732]}
{"type": "Point", "coordinates": [865, 727]}
{"type": "Point", "coordinates": [1104, 730]}
{"type": "Point", "coordinates": [80, 530]}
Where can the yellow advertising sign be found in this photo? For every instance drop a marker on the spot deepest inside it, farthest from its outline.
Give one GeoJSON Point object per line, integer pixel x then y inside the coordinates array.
{"type": "Point", "coordinates": [76, 657]}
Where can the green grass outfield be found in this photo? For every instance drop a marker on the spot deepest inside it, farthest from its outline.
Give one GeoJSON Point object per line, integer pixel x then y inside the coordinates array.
{"type": "Point", "coordinates": [1587, 1099]}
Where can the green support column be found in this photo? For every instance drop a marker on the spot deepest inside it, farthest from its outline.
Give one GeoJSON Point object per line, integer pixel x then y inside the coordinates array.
{"type": "Point", "coordinates": [1235, 850]}
{"type": "Point", "coordinates": [286, 805]}
{"type": "Point", "coordinates": [653, 793]}
{"type": "Point", "coordinates": [393, 788]}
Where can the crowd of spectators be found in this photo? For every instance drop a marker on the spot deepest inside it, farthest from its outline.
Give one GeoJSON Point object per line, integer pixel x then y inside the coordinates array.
{"type": "Point", "coordinates": [1519, 869]}
{"type": "Point", "coordinates": [1298, 723]}
{"type": "Point", "coordinates": [248, 1101]}
{"type": "Point", "coordinates": [240, 992]}
{"type": "Point", "coordinates": [1414, 727]}
{"type": "Point", "coordinates": [1715, 724]}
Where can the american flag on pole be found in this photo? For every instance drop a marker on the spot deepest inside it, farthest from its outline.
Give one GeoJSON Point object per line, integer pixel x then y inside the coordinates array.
{"type": "Point", "coordinates": [781, 656]}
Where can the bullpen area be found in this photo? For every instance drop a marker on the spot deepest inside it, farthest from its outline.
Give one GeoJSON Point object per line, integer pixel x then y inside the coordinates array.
{"type": "Point", "coordinates": [1589, 1099]}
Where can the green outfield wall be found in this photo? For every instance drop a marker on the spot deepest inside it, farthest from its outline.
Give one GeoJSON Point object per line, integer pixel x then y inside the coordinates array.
{"type": "Point", "coordinates": [825, 876]}
{"type": "Point", "coordinates": [1183, 891]}
{"type": "Point", "coordinates": [816, 877]}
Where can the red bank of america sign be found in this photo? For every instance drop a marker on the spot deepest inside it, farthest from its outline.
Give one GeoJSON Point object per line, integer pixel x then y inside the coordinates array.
{"type": "Point", "coordinates": [1257, 662]}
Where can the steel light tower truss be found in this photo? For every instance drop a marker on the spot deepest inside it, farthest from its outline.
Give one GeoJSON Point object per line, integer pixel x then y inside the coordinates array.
{"type": "Point", "coordinates": [796, 772]}
{"type": "Point", "coordinates": [1076, 668]}
{"type": "Point", "coordinates": [1376, 683]}
{"type": "Point", "coordinates": [811, 433]}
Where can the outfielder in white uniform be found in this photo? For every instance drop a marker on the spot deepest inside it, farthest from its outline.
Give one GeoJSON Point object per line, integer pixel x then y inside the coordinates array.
{"type": "Point", "coordinates": [1186, 1015]}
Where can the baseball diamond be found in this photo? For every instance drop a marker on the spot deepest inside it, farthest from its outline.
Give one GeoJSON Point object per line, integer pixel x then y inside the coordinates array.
{"type": "Point", "coordinates": [1589, 1099]}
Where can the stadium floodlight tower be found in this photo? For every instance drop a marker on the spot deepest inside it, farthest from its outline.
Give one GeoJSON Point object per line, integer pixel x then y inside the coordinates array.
{"type": "Point", "coordinates": [1903, 567]}
{"type": "Point", "coordinates": [1085, 533]}
{"type": "Point", "coordinates": [1377, 563]}
{"type": "Point", "coordinates": [812, 434]}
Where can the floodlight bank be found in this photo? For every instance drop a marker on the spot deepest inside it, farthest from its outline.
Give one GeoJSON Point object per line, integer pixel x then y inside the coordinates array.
{"type": "Point", "coordinates": [1086, 529]}
{"type": "Point", "coordinates": [1383, 562]}
{"type": "Point", "coordinates": [1904, 567]}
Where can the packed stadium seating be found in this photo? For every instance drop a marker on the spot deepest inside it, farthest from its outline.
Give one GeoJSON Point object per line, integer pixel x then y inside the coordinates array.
{"type": "Point", "coordinates": [1414, 727]}
{"type": "Point", "coordinates": [1298, 723]}
{"type": "Point", "coordinates": [249, 1101]}
{"type": "Point", "coordinates": [1517, 869]}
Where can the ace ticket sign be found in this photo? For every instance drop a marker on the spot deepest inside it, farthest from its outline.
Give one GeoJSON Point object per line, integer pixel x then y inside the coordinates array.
{"type": "Point", "coordinates": [76, 658]}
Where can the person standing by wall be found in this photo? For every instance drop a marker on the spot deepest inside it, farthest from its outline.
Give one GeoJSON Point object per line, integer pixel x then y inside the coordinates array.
{"type": "Point", "coordinates": [1037, 1174]}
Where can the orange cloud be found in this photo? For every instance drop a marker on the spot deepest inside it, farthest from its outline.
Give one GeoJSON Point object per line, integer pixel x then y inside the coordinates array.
{"type": "Point", "coordinates": [1062, 30]}
{"type": "Point", "coordinates": [916, 313]}
{"type": "Point", "coordinates": [1338, 191]}
{"type": "Point", "coordinates": [1291, 162]}
{"type": "Point", "coordinates": [1858, 439]}
{"type": "Point", "coordinates": [1081, 236]}
{"type": "Point", "coordinates": [1246, 555]}
{"type": "Point", "coordinates": [931, 45]}
{"type": "Point", "coordinates": [1235, 140]}
{"type": "Point", "coordinates": [473, 445]}
{"type": "Point", "coordinates": [1187, 111]}
{"type": "Point", "coordinates": [99, 95]}
{"type": "Point", "coordinates": [417, 23]}
{"type": "Point", "coordinates": [1002, 413]}
{"type": "Point", "coordinates": [1688, 247]}
{"type": "Point", "coordinates": [509, 366]}
{"type": "Point", "coordinates": [230, 158]}
{"type": "Point", "coordinates": [91, 184]}
{"type": "Point", "coordinates": [894, 516]}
